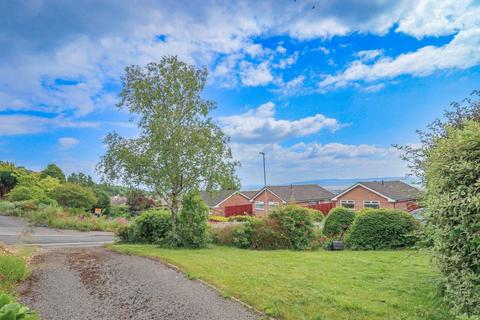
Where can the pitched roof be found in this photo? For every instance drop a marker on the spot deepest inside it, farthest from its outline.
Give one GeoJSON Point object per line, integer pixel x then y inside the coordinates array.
{"type": "Point", "coordinates": [214, 198]}
{"type": "Point", "coordinates": [392, 190]}
{"type": "Point", "coordinates": [301, 193]}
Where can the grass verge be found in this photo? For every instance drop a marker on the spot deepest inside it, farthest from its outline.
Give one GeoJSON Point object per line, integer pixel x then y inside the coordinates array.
{"type": "Point", "coordinates": [316, 285]}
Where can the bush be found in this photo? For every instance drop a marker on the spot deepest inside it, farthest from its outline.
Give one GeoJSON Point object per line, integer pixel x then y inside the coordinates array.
{"type": "Point", "coordinates": [243, 236]}
{"type": "Point", "coordinates": [239, 218]}
{"type": "Point", "coordinates": [317, 215]}
{"type": "Point", "coordinates": [75, 196]}
{"type": "Point", "coordinates": [119, 211]}
{"type": "Point", "coordinates": [103, 201]}
{"type": "Point", "coordinates": [337, 223]}
{"type": "Point", "coordinates": [224, 235]}
{"type": "Point", "coordinates": [218, 219]}
{"type": "Point", "coordinates": [12, 269]}
{"type": "Point", "coordinates": [8, 208]}
{"type": "Point", "coordinates": [137, 201]}
{"type": "Point", "coordinates": [9, 310]}
{"type": "Point", "coordinates": [22, 193]}
{"type": "Point", "coordinates": [382, 229]}
{"type": "Point", "coordinates": [152, 226]}
{"type": "Point", "coordinates": [295, 223]}
{"type": "Point", "coordinates": [192, 226]}
{"type": "Point", "coordinates": [452, 172]}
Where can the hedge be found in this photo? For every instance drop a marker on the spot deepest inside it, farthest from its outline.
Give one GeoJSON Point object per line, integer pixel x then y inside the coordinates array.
{"type": "Point", "coordinates": [338, 221]}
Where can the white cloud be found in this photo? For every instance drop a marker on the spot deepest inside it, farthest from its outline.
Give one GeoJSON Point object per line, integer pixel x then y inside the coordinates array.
{"type": "Point", "coordinates": [310, 161]}
{"type": "Point", "coordinates": [26, 124]}
{"type": "Point", "coordinates": [281, 49]}
{"type": "Point", "coordinates": [374, 88]}
{"type": "Point", "coordinates": [260, 125]}
{"type": "Point", "coordinates": [67, 142]}
{"type": "Point", "coordinates": [461, 53]}
{"type": "Point", "coordinates": [368, 55]}
{"type": "Point", "coordinates": [256, 75]}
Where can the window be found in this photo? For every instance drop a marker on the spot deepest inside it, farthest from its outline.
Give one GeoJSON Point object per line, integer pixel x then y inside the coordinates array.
{"type": "Point", "coordinates": [371, 204]}
{"type": "Point", "coordinates": [347, 203]}
{"type": "Point", "coordinates": [313, 202]}
{"type": "Point", "coordinates": [272, 204]}
{"type": "Point", "coordinates": [259, 205]}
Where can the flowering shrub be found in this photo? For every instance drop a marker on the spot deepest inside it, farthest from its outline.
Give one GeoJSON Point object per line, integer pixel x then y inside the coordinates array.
{"type": "Point", "coordinates": [217, 219]}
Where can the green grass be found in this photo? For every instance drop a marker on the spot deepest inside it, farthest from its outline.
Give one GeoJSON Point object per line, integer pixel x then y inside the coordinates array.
{"type": "Point", "coordinates": [13, 269]}
{"type": "Point", "coordinates": [315, 285]}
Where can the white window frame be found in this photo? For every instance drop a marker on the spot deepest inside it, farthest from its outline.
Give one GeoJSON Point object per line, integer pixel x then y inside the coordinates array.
{"type": "Point", "coordinates": [371, 202]}
{"type": "Point", "coordinates": [352, 202]}
{"type": "Point", "coordinates": [273, 204]}
{"type": "Point", "coordinates": [259, 203]}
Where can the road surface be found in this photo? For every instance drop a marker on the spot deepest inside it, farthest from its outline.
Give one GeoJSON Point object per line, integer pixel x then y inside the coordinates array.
{"type": "Point", "coordinates": [96, 283]}
{"type": "Point", "coordinates": [15, 230]}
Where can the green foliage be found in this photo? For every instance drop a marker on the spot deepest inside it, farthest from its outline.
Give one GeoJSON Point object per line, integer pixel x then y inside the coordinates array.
{"type": "Point", "coordinates": [54, 171]}
{"type": "Point", "coordinates": [338, 221]}
{"type": "Point", "coordinates": [119, 211]}
{"type": "Point", "coordinates": [12, 270]}
{"type": "Point", "coordinates": [218, 218]}
{"type": "Point", "coordinates": [288, 227]}
{"type": "Point", "coordinates": [452, 172]}
{"type": "Point", "coordinates": [81, 179]}
{"type": "Point", "coordinates": [317, 215]}
{"type": "Point", "coordinates": [239, 218]}
{"type": "Point", "coordinates": [382, 229]}
{"type": "Point", "coordinates": [48, 185]}
{"type": "Point", "coordinates": [7, 178]}
{"type": "Point", "coordinates": [224, 235]}
{"type": "Point", "coordinates": [138, 200]}
{"type": "Point", "coordinates": [152, 226]}
{"type": "Point", "coordinates": [179, 148]}
{"type": "Point", "coordinates": [192, 228]}
{"type": "Point", "coordinates": [295, 223]}
{"type": "Point", "coordinates": [74, 196]}
{"type": "Point", "coordinates": [103, 201]}
{"type": "Point", "coordinates": [9, 310]}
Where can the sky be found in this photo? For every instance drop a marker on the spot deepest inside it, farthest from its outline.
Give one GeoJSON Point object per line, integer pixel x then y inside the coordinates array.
{"type": "Point", "coordinates": [324, 88]}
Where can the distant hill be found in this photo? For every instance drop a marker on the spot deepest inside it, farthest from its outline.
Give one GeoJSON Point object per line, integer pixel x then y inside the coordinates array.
{"type": "Point", "coordinates": [336, 185]}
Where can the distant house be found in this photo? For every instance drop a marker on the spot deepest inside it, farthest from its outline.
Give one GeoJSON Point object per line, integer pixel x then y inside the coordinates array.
{"type": "Point", "coordinates": [270, 197]}
{"type": "Point", "coordinates": [379, 194]}
{"type": "Point", "coordinates": [226, 201]}
{"type": "Point", "coordinates": [118, 200]}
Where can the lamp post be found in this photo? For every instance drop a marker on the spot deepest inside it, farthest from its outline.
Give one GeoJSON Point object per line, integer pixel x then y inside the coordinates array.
{"type": "Point", "coordinates": [264, 183]}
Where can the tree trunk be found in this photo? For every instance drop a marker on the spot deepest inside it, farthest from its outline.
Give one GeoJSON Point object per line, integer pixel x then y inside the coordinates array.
{"type": "Point", "coordinates": [174, 208]}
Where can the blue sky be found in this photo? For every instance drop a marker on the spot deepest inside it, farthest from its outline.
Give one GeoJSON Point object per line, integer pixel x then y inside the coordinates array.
{"type": "Point", "coordinates": [325, 92]}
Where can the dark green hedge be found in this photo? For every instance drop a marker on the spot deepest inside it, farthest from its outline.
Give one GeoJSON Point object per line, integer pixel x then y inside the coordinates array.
{"type": "Point", "coordinates": [382, 229]}
{"type": "Point", "coordinates": [338, 221]}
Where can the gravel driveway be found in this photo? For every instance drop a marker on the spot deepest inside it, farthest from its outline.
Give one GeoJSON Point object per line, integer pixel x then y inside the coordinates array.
{"type": "Point", "coordinates": [95, 283]}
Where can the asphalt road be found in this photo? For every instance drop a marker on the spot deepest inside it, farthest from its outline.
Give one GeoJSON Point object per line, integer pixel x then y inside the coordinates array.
{"type": "Point", "coordinates": [96, 283]}
{"type": "Point", "coordinates": [15, 230]}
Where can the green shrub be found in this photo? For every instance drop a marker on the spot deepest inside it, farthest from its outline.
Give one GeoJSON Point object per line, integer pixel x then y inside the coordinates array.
{"type": "Point", "coordinates": [192, 226]}
{"type": "Point", "coordinates": [22, 193]}
{"type": "Point", "coordinates": [9, 310]}
{"type": "Point", "coordinates": [243, 236]}
{"type": "Point", "coordinates": [382, 229]}
{"type": "Point", "coordinates": [338, 221]}
{"type": "Point", "coordinates": [12, 269]}
{"type": "Point", "coordinates": [152, 226]}
{"type": "Point", "coordinates": [295, 224]}
{"type": "Point", "coordinates": [218, 219]}
{"type": "Point", "coordinates": [317, 215]}
{"type": "Point", "coordinates": [239, 218]}
{"type": "Point", "coordinates": [7, 207]}
{"type": "Point", "coordinates": [452, 172]}
{"type": "Point", "coordinates": [75, 196]}
{"type": "Point", "coordinates": [224, 235]}
{"type": "Point", "coordinates": [119, 211]}
{"type": "Point", "coordinates": [103, 201]}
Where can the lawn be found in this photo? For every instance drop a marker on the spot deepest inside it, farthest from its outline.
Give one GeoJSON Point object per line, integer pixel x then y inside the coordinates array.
{"type": "Point", "coordinates": [315, 285]}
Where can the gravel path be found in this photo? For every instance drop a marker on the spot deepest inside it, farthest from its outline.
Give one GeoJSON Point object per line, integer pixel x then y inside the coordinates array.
{"type": "Point", "coordinates": [95, 283]}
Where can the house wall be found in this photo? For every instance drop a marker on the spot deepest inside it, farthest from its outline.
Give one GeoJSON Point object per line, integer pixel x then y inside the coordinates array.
{"type": "Point", "coordinates": [261, 197]}
{"type": "Point", "coordinates": [359, 194]}
{"type": "Point", "coordinates": [234, 200]}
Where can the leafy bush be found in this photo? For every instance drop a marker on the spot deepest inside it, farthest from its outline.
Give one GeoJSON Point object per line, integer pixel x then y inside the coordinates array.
{"type": "Point", "coordinates": [192, 226]}
{"type": "Point", "coordinates": [9, 310]}
{"type": "Point", "coordinates": [338, 221]}
{"type": "Point", "coordinates": [103, 201]}
{"type": "Point", "coordinates": [152, 226]}
{"type": "Point", "coordinates": [239, 218]}
{"type": "Point", "coordinates": [75, 196]}
{"type": "Point", "coordinates": [224, 235]}
{"type": "Point", "coordinates": [218, 219]}
{"type": "Point", "coordinates": [119, 211]}
{"type": "Point", "coordinates": [382, 229]}
{"type": "Point", "coordinates": [22, 193]}
{"type": "Point", "coordinates": [288, 227]}
{"type": "Point", "coordinates": [8, 208]}
{"type": "Point", "coordinates": [452, 172]}
{"type": "Point", "coordinates": [137, 201]}
{"type": "Point", "coordinates": [12, 269]}
{"type": "Point", "coordinates": [317, 215]}
{"type": "Point", "coordinates": [295, 223]}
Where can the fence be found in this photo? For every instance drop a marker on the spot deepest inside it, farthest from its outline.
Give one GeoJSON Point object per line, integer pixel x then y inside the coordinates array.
{"type": "Point", "coordinates": [244, 209]}
{"type": "Point", "coordinates": [323, 207]}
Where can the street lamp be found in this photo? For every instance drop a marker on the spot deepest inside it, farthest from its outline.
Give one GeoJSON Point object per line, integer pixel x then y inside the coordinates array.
{"type": "Point", "coordinates": [264, 183]}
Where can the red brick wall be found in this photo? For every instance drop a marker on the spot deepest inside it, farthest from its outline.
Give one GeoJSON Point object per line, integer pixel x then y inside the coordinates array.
{"type": "Point", "coordinates": [261, 197]}
{"type": "Point", "coordinates": [359, 194]}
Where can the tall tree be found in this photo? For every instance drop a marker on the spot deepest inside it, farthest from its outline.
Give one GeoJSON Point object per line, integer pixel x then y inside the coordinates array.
{"type": "Point", "coordinates": [7, 178]}
{"type": "Point", "coordinates": [179, 148]}
{"type": "Point", "coordinates": [81, 178]}
{"type": "Point", "coordinates": [54, 171]}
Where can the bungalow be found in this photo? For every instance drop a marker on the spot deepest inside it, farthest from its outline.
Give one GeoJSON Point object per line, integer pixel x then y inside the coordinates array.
{"type": "Point", "coordinates": [379, 194]}
{"type": "Point", "coordinates": [223, 201]}
{"type": "Point", "coordinates": [270, 197]}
